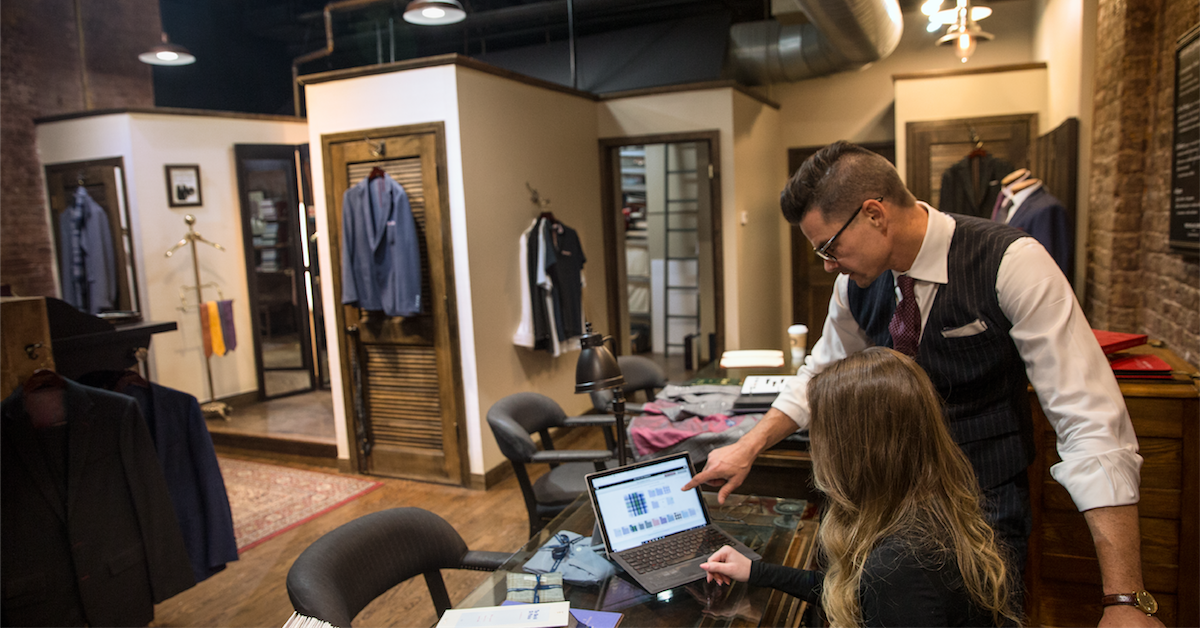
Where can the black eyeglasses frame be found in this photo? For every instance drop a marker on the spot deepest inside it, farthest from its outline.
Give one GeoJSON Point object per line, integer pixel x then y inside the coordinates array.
{"type": "Point", "coordinates": [822, 252]}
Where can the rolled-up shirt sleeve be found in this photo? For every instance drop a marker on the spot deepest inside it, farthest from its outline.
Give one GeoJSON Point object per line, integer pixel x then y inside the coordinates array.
{"type": "Point", "coordinates": [840, 337]}
{"type": "Point", "coordinates": [1072, 378]}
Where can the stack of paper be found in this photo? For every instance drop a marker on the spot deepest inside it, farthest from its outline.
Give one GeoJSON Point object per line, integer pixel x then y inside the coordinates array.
{"type": "Point", "coordinates": [757, 358]}
{"type": "Point", "coordinates": [551, 615]}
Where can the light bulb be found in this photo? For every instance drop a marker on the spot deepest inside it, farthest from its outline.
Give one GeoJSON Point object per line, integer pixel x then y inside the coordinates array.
{"type": "Point", "coordinates": [167, 55]}
{"type": "Point", "coordinates": [433, 13]}
{"type": "Point", "coordinates": [931, 6]}
{"type": "Point", "coordinates": [966, 47]}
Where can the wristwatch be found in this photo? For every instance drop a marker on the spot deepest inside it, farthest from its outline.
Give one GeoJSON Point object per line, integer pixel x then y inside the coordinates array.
{"type": "Point", "coordinates": [1141, 600]}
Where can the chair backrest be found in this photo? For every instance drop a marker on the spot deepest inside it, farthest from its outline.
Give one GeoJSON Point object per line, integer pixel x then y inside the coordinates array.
{"type": "Point", "coordinates": [343, 571]}
{"type": "Point", "coordinates": [641, 374]}
{"type": "Point", "coordinates": [516, 416]}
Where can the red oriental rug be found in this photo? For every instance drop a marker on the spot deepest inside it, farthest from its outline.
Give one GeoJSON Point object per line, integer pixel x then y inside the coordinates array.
{"type": "Point", "coordinates": [268, 500]}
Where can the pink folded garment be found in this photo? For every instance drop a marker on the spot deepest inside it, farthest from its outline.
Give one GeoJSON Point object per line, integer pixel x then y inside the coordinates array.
{"type": "Point", "coordinates": [652, 432]}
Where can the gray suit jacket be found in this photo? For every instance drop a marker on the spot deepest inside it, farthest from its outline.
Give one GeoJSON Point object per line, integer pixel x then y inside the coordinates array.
{"type": "Point", "coordinates": [381, 256]}
{"type": "Point", "coordinates": [99, 285]}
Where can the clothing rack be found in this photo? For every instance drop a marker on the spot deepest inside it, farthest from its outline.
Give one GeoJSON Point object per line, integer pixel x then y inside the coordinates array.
{"type": "Point", "coordinates": [191, 238]}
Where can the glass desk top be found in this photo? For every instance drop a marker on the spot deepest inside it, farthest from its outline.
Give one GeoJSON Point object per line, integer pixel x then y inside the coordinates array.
{"type": "Point", "coordinates": [765, 524]}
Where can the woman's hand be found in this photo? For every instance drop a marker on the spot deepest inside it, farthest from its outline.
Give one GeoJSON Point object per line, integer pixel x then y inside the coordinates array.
{"type": "Point", "coordinates": [727, 565]}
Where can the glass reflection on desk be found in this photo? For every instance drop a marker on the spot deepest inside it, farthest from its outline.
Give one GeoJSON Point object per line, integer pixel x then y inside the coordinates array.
{"type": "Point", "coordinates": [784, 535]}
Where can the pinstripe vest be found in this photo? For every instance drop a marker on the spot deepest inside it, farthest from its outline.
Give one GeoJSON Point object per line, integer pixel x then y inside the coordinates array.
{"type": "Point", "coordinates": [980, 377]}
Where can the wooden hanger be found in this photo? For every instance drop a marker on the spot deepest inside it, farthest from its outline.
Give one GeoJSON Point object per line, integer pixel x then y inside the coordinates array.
{"type": "Point", "coordinates": [1015, 175]}
{"type": "Point", "coordinates": [44, 399]}
{"type": "Point", "coordinates": [44, 379]}
{"type": "Point", "coordinates": [1021, 185]}
{"type": "Point", "coordinates": [376, 172]}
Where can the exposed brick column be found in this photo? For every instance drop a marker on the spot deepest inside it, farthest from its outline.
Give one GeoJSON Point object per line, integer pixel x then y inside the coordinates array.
{"type": "Point", "coordinates": [1125, 58]}
{"type": "Point", "coordinates": [1170, 283]}
{"type": "Point", "coordinates": [43, 75]}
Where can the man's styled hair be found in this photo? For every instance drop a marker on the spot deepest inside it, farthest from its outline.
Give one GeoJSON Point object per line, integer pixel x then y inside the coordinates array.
{"type": "Point", "coordinates": [884, 459]}
{"type": "Point", "coordinates": [837, 179]}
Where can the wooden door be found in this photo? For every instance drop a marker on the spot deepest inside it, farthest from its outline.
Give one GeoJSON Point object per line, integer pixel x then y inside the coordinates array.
{"type": "Point", "coordinates": [812, 287]}
{"type": "Point", "coordinates": [401, 375]}
{"type": "Point", "coordinates": [936, 145]}
{"type": "Point", "coordinates": [104, 180]}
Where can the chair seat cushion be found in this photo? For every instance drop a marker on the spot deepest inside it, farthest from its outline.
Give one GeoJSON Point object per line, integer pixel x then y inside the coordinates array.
{"type": "Point", "coordinates": [562, 484]}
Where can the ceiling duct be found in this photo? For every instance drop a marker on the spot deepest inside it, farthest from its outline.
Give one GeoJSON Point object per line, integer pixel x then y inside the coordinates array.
{"type": "Point", "coordinates": [839, 35]}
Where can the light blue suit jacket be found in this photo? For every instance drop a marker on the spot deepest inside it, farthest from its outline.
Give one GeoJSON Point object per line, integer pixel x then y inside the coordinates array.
{"type": "Point", "coordinates": [381, 257]}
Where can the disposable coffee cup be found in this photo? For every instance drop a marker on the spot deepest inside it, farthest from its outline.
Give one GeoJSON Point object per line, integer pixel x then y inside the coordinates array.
{"type": "Point", "coordinates": [799, 341]}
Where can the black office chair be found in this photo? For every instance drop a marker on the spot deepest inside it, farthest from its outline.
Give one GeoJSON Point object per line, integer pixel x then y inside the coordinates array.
{"type": "Point", "coordinates": [513, 419]}
{"type": "Point", "coordinates": [343, 571]}
{"type": "Point", "coordinates": [641, 374]}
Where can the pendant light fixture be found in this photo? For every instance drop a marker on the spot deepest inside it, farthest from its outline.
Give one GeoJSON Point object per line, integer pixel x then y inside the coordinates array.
{"type": "Point", "coordinates": [167, 53]}
{"type": "Point", "coordinates": [964, 32]}
{"type": "Point", "coordinates": [434, 12]}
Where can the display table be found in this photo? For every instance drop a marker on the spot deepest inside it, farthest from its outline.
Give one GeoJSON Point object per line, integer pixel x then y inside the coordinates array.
{"type": "Point", "coordinates": [786, 540]}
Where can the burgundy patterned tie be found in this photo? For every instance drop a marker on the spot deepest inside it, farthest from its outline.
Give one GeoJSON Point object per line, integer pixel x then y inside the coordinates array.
{"type": "Point", "coordinates": [906, 321]}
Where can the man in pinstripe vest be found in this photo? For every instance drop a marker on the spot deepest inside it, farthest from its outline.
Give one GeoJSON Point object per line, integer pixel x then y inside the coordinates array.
{"type": "Point", "coordinates": [984, 310]}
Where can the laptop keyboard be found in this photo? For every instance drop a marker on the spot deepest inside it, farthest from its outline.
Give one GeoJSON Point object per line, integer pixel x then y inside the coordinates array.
{"type": "Point", "coordinates": [677, 548]}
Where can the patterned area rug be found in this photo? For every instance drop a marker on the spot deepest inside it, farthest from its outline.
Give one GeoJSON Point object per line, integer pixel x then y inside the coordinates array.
{"type": "Point", "coordinates": [268, 500]}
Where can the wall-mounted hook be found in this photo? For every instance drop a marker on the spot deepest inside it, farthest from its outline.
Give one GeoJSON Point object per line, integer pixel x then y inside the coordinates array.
{"type": "Point", "coordinates": [32, 350]}
{"type": "Point", "coordinates": [378, 149]}
{"type": "Point", "coordinates": [537, 198]}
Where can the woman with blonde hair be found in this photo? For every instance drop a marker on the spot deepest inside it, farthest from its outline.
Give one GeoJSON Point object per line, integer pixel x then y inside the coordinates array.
{"type": "Point", "coordinates": [903, 531]}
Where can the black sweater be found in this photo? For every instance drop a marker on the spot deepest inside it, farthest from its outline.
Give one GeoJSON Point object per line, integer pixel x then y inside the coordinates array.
{"type": "Point", "coordinates": [898, 588]}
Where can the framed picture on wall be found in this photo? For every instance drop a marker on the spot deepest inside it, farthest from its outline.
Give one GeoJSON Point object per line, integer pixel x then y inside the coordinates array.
{"type": "Point", "coordinates": [183, 185]}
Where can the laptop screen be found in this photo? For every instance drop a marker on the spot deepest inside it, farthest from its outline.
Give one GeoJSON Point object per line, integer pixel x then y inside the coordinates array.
{"type": "Point", "coordinates": [646, 502]}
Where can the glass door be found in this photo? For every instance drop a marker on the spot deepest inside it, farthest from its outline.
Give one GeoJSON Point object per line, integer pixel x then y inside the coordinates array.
{"type": "Point", "coordinates": [282, 273]}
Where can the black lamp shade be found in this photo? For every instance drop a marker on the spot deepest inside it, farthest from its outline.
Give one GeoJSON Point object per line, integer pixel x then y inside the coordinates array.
{"type": "Point", "coordinates": [597, 369]}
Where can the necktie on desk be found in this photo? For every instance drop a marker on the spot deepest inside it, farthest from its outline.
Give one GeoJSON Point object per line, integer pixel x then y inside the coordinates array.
{"type": "Point", "coordinates": [905, 326]}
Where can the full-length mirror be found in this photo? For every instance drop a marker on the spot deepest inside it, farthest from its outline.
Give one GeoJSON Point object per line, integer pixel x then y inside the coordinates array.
{"type": "Point", "coordinates": [93, 248]}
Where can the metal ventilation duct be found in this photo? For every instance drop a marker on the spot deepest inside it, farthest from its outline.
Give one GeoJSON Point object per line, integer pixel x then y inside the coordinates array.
{"type": "Point", "coordinates": [840, 35]}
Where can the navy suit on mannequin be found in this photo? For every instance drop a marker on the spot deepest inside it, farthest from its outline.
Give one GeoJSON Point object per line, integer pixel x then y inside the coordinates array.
{"type": "Point", "coordinates": [381, 258]}
{"type": "Point", "coordinates": [1044, 217]}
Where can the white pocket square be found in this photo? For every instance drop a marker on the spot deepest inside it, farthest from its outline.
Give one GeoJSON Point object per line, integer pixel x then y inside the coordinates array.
{"type": "Point", "coordinates": [970, 329]}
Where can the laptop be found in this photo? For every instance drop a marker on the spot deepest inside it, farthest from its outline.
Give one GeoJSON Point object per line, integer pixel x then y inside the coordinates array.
{"type": "Point", "coordinates": [658, 533]}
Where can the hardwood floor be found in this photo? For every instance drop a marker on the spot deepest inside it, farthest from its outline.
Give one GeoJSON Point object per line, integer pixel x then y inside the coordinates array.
{"type": "Point", "coordinates": [252, 591]}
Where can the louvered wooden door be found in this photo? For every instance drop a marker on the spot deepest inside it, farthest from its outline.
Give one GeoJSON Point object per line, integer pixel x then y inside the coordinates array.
{"type": "Point", "coordinates": [401, 375]}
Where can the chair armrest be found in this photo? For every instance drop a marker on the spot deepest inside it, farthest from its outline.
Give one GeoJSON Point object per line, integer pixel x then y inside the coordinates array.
{"type": "Point", "coordinates": [572, 455]}
{"type": "Point", "coordinates": [589, 420]}
{"type": "Point", "coordinates": [483, 561]}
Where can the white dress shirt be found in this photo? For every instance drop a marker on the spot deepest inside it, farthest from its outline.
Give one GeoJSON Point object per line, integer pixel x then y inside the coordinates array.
{"type": "Point", "coordinates": [1018, 198]}
{"type": "Point", "coordinates": [1073, 381]}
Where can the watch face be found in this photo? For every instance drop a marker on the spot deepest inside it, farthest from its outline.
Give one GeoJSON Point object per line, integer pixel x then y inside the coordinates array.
{"type": "Point", "coordinates": [1146, 602]}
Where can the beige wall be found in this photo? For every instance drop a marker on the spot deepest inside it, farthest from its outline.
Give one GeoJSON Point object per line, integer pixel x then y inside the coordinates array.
{"type": "Point", "coordinates": [763, 268]}
{"type": "Point", "coordinates": [858, 105]}
{"type": "Point", "coordinates": [971, 95]}
{"type": "Point", "coordinates": [1065, 38]}
{"type": "Point", "coordinates": [385, 100]}
{"type": "Point", "coordinates": [147, 142]}
{"type": "Point", "coordinates": [683, 112]}
{"type": "Point", "coordinates": [513, 133]}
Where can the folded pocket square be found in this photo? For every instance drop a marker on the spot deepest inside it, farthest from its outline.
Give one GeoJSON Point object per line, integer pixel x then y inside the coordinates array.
{"type": "Point", "coordinates": [970, 329]}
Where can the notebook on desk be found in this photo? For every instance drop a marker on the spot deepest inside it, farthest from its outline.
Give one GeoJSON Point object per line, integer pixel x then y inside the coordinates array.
{"type": "Point", "coordinates": [657, 532]}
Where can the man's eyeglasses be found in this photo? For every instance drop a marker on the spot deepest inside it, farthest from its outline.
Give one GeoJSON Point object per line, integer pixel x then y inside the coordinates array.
{"type": "Point", "coordinates": [823, 251]}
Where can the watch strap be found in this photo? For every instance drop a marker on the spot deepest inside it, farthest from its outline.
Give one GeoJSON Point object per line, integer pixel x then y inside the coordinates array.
{"type": "Point", "coordinates": [1123, 599]}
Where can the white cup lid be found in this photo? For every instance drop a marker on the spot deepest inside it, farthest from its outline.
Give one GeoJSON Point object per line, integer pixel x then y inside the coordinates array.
{"type": "Point", "coordinates": [798, 329]}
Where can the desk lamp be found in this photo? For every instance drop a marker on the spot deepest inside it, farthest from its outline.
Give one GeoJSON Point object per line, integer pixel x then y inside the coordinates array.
{"type": "Point", "coordinates": [596, 370]}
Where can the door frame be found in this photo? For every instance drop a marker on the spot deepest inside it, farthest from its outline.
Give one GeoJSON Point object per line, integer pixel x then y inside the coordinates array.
{"type": "Point", "coordinates": [267, 151]}
{"type": "Point", "coordinates": [614, 265]}
{"type": "Point", "coordinates": [447, 329]}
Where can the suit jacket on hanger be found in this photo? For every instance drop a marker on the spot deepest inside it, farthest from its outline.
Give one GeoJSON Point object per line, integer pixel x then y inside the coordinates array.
{"type": "Point", "coordinates": [99, 289]}
{"type": "Point", "coordinates": [103, 551]}
{"type": "Point", "coordinates": [961, 195]}
{"type": "Point", "coordinates": [1043, 216]}
{"type": "Point", "coordinates": [381, 257]}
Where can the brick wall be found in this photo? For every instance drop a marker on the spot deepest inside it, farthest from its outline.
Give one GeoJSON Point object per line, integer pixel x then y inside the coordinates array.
{"type": "Point", "coordinates": [1135, 282]}
{"type": "Point", "coordinates": [45, 74]}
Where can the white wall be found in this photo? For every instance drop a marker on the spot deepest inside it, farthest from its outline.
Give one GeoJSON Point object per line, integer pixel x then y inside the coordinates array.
{"type": "Point", "coordinates": [979, 95]}
{"type": "Point", "coordinates": [148, 142]}
{"type": "Point", "coordinates": [514, 133]}
{"type": "Point", "coordinates": [384, 100]}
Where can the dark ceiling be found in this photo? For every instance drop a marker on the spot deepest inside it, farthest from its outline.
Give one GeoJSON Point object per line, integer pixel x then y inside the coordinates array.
{"type": "Point", "coordinates": [245, 48]}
